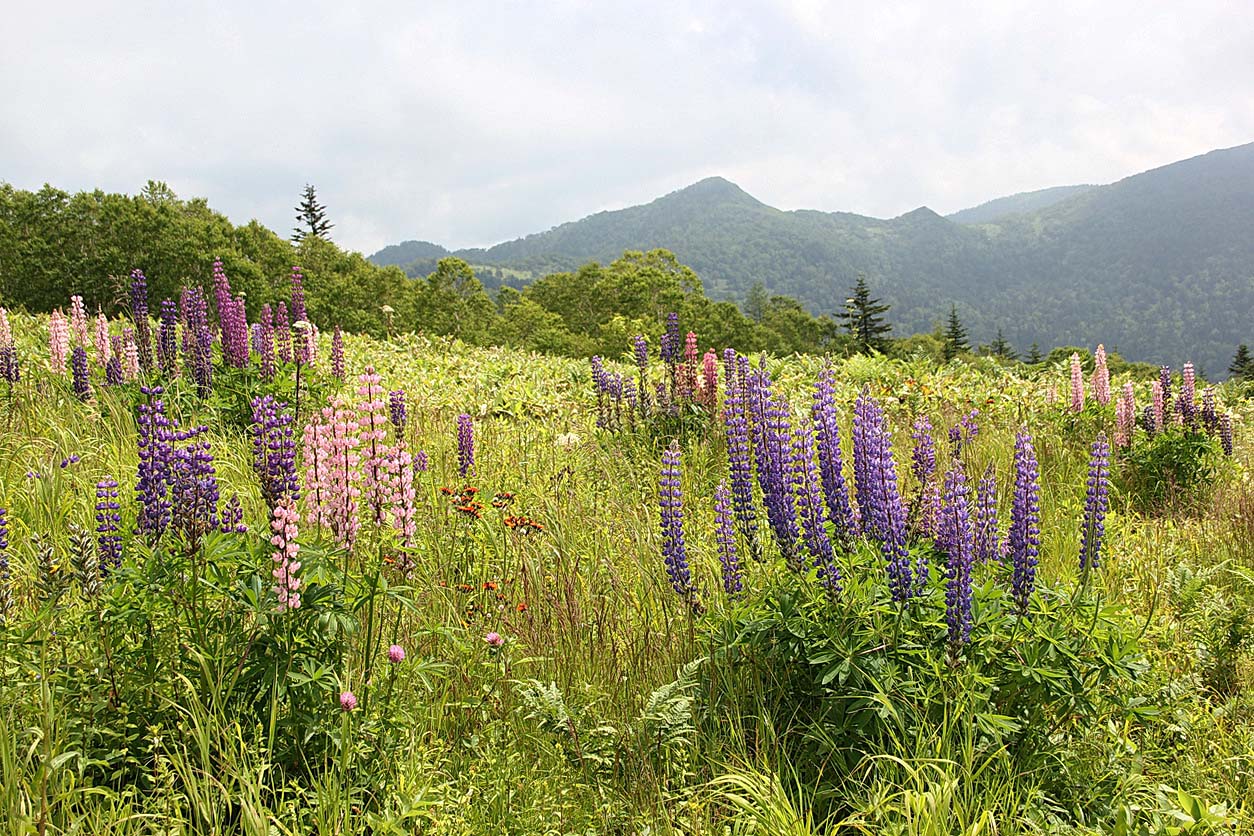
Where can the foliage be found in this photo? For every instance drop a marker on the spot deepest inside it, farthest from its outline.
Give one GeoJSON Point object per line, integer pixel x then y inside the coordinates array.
{"type": "Point", "coordinates": [311, 217]}
{"type": "Point", "coordinates": [1173, 470]}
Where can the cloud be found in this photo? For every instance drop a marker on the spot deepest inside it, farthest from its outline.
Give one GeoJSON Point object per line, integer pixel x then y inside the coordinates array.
{"type": "Point", "coordinates": [471, 124]}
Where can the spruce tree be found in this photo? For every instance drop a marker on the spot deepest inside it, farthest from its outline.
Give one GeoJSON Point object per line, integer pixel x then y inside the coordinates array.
{"type": "Point", "coordinates": [1000, 348]}
{"type": "Point", "coordinates": [1034, 354]}
{"type": "Point", "coordinates": [955, 335]}
{"type": "Point", "coordinates": [311, 217]}
{"type": "Point", "coordinates": [1242, 367]}
{"type": "Point", "coordinates": [863, 318]}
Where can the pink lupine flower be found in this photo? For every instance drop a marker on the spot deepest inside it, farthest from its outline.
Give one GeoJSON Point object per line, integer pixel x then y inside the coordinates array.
{"type": "Point", "coordinates": [373, 421]}
{"type": "Point", "coordinates": [1125, 416]}
{"type": "Point", "coordinates": [494, 639]}
{"type": "Point", "coordinates": [6, 333]}
{"type": "Point", "coordinates": [130, 355]}
{"type": "Point", "coordinates": [286, 550]}
{"type": "Point", "coordinates": [709, 380]}
{"type": "Point", "coordinates": [348, 702]}
{"type": "Point", "coordinates": [1101, 377]}
{"type": "Point", "coordinates": [398, 467]}
{"type": "Point", "coordinates": [1077, 384]}
{"type": "Point", "coordinates": [331, 484]}
{"type": "Point", "coordinates": [1159, 406]}
{"type": "Point", "coordinates": [78, 321]}
{"type": "Point", "coordinates": [102, 339]}
{"type": "Point", "coordinates": [58, 342]}
{"type": "Point", "coordinates": [396, 654]}
{"type": "Point", "coordinates": [1187, 403]}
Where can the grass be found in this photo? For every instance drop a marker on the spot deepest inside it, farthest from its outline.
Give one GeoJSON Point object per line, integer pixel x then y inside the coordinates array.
{"type": "Point", "coordinates": [597, 715]}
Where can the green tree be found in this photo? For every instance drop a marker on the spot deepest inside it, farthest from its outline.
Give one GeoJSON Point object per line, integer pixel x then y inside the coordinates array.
{"type": "Point", "coordinates": [1034, 354]}
{"type": "Point", "coordinates": [1242, 366]}
{"type": "Point", "coordinates": [1000, 348]}
{"type": "Point", "coordinates": [756, 301]}
{"type": "Point", "coordinates": [452, 301]}
{"type": "Point", "coordinates": [955, 335]}
{"type": "Point", "coordinates": [863, 318]}
{"type": "Point", "coordinates": [311, 217]}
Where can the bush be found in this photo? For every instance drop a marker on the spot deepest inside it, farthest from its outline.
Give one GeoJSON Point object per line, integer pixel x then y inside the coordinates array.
{"type": "Point", "coordinates": [1172, 471]}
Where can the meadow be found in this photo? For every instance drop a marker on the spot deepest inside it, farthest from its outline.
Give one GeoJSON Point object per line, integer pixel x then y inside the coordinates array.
{"type": "Point", "coordinates": [260, 579]}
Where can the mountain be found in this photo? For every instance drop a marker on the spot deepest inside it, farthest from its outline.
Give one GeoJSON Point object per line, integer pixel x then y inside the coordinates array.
{"type": "Point", "coordinates": [1158, 266]}
{"type": "Point", "coordinates": [407, 252]}
{"type": "Point", "coordinates": [1015, 204]}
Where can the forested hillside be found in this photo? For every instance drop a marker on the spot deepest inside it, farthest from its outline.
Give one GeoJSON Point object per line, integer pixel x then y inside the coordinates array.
{"type": "Point", "coordinates": [1160, 264]}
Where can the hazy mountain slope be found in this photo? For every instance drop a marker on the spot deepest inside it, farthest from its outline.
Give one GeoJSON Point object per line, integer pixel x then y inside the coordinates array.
{"type": "Point", "coordinates": [1016, 204]}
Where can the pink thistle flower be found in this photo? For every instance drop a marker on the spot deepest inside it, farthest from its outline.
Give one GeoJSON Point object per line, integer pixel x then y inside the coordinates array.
{"type": "Point", "coordinates": [1101, 377]}
{"type": "Point", "coordinates": [1077, 384]}
{"type": "Point", "coordinates": [286, 566]}
{"type": "Point", "coordinates": [348, 702]}
{"type": "Point", "coordinates": [396, 654]}
{"type": "Point", "coordinates": [58, 342]}
{"type": "Point", "coordinates": [494, 639]}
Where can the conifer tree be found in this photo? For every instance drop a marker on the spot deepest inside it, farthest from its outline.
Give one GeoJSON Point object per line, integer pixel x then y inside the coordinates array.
{"type": "Point", "coordinates": [1000, 348]}
{"type": "Point", "coordinates": [311, 217]}
{"type": "Point", "coordinates": [1034, 354]}
{"type": "Point", "coordinates": [1242, 366]}
{"type": "Point", "coordinates": [863, 318]}
{"type": "Point", "coordinates": [955, 335]}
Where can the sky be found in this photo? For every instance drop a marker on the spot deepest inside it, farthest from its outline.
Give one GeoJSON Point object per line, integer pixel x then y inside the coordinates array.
{"type": "Point", "coordinates": [467, 124]}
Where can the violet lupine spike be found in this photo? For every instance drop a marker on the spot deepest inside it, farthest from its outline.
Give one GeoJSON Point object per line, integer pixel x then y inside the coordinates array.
{"type": "Point", "coordinates": [988, 545]}
{"type": "Point", "coordinates": [883, 513]}
{"type": "Point", "coordinates": [167, 338]}
{"type": "Point", "coordinates": [10, 369]}
{"type": "Point", "coordinates": [231, 517]}
{"type": "Point", "coordinates": [926, 511]}
{"type": "Point", "coordinates": [274, 450]}
{"type": "Point", "coordinates": [640, 350]}
{"type": "Point", "coordinates": [1210, 417]}
{"type": "Point", "coordinates": [810, 502]}
{"type": "Point", "coordinates": [6, 573]}
{"type": "Point", "coordinates": [108, 525]}
{"type": "Point", "coordinates": [197, 339]}
{"type": "Point", "coordinates": [600, 385]}
{"type": "Point", "coordinates": [337, 354]}
{"type": "Point", "coordinates": [1225, 433]}
{"type": "Point", "coordinates": [283, 334]}
{"type": "Point", "coordinates": [959, 538]}
{"type": "Point", "coordinates": [299, 314]}
{"type": "Point", "coordinates": [263, 344]}
{"type": "Point", "coordinates": [113, 371]}
{"type": "Point", "coordinates": [740, 467]}
{"type": "Point", "coordinates": [831, 459]}
{"type": "Point", "coordinates": [152, 485]}
{"type": "Point", "coordinates": [465, 445]}
{"type": "Point", "coordinates": [193, 487]}
{"type": "Point", "coordinates": [1096, 504]}
{"type": "Point", "coordinates": [1186, 403]}
{"type": "Point", "coordinates": [725, 536]}
{"type": "Point", "coordinates": [1024, 538]}
{"type": "Point", "coordinates": [1164, 381]}
{"type": "Point", "coordinates": [672, 340]}
{"type": "Point", "coordinates": [397, 411]}
{"type": "Point", "coordinates": [139, 313]}
{"type": "Point", "coordinates": [78, 368]}
{"type": "Point", "coordinates": [771, 432]}
{"type": "Point", "coordinates": [671, 502]}
{"type": "Point", "coordinates": [1077, 384]}
{"type": "Point", "coordinates": [1101, 377]}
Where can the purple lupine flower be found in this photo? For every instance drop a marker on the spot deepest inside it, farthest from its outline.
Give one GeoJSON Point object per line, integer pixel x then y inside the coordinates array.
{"type": "Point", "coordinates": [600, 384]}
{"type": "Point", "coordinates": [231, 320]}
{"type": "Point", "coordinates": [139, 312]}
{"type": "Point", "coordinates": [337, 354]}
{"type": "Point", "coordinates": [964, 432]}
{"type": "Point", "coordinates": [926, 511]}
{"type": "Point", "coordinates": [113, 369]}
{"type": "Point", "coordinates": [6, 574]}
{"type": "Point", "coordinates": [167, 338]}
{"type": "Point", "coordinates": [1096, 504]}
{"type": "Point", "coordinates": [1225, 433]}
{"type": "Point", "coordinates": [78, 369]}
{"type": "Point", "coordinates": [988, 544]}
{"type": "Point", "coordinates": [1210, 418]}
{"type": "Point", "coordinates": [298, 296]}
{"type": "Point", "coordinates": [283, 333]}
{"type": "Point", "coordinates": [152, 485]}
{"type": "Point", "coordinates": [263, 343]}
{"type": "Point", "coordinates": [672, 340]}
{"type": "Point", "coordinates": [197, 339]}
{"type": "Point", "coordinates": [10, 368]}
{"type": "Point", "coordinates": [883, 514]}
{"type": "Point", "coordinates": [959, 538]}
{"type": "Point", "coordinates": [421, 461]}
{"type": "Point", "coordinates": [740, 467]}
{"type": "Point", "coordinates": [465, 444]}
{"type": "Point", "coordinates": [725, 536]}
{"type": "Point", "coordinates": [397, 411]}
{"type": "Point", "coordinates": [671, 502]}
{"type": "Point", "coordinates": [1186, 403]}
{"type": "Point", "coordinates": [771, 432]}
{"type": "Point", "coordinates": [1164, 381]}
{"type": "Point", "coordinates": [193, 487]}
{"type": "Point", "coordinates": [274, 450]}
{"type": "Point", "coordinates": [108, 525]}
{"type": "Point", "coordinates": [640, 348]}
{"type": "Point", "coordinates": [221, 293]}
{"type": "Point", "coordinates": [1024, 538]}
{"type": "Point", "coordinates": [231, 517]}
{"type": "Point", "coordinates": [831, 460]}
{"type": "Point", "coordinates": [810, 501]}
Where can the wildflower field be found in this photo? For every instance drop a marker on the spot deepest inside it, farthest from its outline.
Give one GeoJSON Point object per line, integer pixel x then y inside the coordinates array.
{"type": "Point", "coordinates": [258, 578]}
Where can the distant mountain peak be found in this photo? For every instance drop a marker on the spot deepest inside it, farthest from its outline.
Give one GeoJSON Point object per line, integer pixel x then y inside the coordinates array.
{"type": "Point", "coordinates": [715, 190]}
{"type": "Point", "coordinates": [921, 215]}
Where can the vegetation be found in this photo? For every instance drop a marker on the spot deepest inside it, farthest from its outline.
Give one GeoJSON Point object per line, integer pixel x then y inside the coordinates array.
{"type": "Point", "coordinates": [348, 584]}
{"type": "Point", "coordinates": [311, 217]}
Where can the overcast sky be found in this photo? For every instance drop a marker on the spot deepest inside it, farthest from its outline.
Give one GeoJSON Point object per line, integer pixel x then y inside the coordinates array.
{"type": "Point", "coordinates": [472, 123]}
